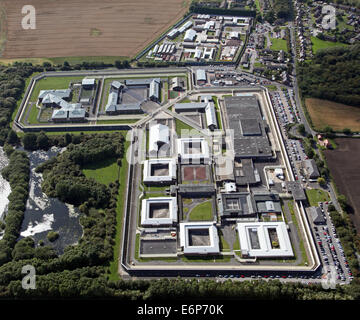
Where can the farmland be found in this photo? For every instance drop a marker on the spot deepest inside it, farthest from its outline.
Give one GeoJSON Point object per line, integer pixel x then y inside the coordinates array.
{"type": "Point", "coordinates": [344, 165]}
{"type": "Point", "coordinates": [77, 29]}
{"type": "Point", "coordinates": [336, 115]}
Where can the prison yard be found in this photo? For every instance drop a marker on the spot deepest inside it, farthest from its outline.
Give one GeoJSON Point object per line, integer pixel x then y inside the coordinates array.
{"type": "Point", "coordinates": [98, 100]}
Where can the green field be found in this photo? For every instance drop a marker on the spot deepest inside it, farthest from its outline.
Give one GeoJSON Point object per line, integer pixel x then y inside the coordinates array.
{"type": "Point", "coordinates": [183, 126]}
{"type": "Point", "coordinates": [278, 44]}
{"type": "Point", "coordinates": [52, 83]}
{"type": "Point", "coordinates": [113, 268]}
{"type": "Point", "coordinates": [103, 172]}
{"type": "Point", "coordinates": [117, 121]}
{"type": "Point", "coordinates": [201, 212]}
{"type": "Point", "coordinates": [318, 44]}
{"type": "Point", "coordinates": [316, 195]}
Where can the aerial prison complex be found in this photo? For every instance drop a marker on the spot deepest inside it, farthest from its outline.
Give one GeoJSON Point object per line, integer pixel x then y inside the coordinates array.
{"type": "Point", "coordinates": [191, 200]}
{"type": "Point", "coordinates": [203, 37]}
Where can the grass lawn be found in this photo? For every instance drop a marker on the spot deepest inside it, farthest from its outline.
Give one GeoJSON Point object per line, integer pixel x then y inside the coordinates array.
{"type": "Point", "coordinates": [117, 121]}
{"type": "Point", "coordinates": [52, 83]}
{"type": "Point", "coordinates": [336, 115]}
{"type": "Point", "coordinates": [224, 246]}
{"type": "Point", "coordinates": [278, 44]}
{"type": "Point", "coordinates": [32, 118]}
{"type": "Point", "coordinates": [103, 172]}
{"type": "Point", "coordinates": [301, 244]}
{"type": "Point", "coordinates": [316, 195]}
{"type": "Point", "coordinates": [183, 126]}
{"type": "Point", "coordinates": [202, 212]}
{"type": "Point", "coordinates": [218, 115]}
{"type": "Point", "coordinates": [206, 259]}
{"type": "Point", "coordinates": [113, 268]}
{"type": "Point", "coordinates": [318, 44]}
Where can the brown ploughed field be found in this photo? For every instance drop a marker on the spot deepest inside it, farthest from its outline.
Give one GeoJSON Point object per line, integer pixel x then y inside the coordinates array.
{"type": "Point", "coordinates": [336, 115]}
{"type": "Point", "coordinates": [344, 166]}
{"type": "Point", "coordinates": [88, 27]}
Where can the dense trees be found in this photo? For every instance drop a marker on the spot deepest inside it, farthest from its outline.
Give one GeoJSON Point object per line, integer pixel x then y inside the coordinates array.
{"type": "Point", "coordinates": [64, 179]}
{"type": "Point", "coordinates": [17, 173]}
{"type": "Point", "coordinates": [333, 74]}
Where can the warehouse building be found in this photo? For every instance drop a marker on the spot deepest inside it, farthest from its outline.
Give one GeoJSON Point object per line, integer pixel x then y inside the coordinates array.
{"type": "Point", "coordinates": [250, 138]}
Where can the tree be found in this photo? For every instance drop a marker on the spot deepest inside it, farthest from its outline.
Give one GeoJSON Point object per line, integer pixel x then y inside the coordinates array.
{"type": "Point", "coordinates": [321, 181]}
{"type": "Point", "coordinates": [29, 141]}
{"type": "Point", "coordinates": [42, 141]}
{"type": "Point", "coordinates": [119, 166]}
{"type": "Point", "coordinates": [301, 129]}
{"type": "Point", "coordinates": [12, 137]}
{"type": "Point", "coordinates": [347, 131]}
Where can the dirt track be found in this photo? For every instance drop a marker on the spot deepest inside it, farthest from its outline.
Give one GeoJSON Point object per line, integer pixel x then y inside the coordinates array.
{"type": "Point", "coordinates": [88, 27]}
{"type": "Point", "coordinates": [345, 168]}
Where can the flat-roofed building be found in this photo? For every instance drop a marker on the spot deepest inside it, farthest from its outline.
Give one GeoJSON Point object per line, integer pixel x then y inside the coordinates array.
{"type": "Point", "coordinates": [193, 150]}
{"type": "Point", "coordinates": [159, 211]}
{"type": "Point", "coordinates": [190, 106]}
{"type": "Point", "coordinates": [236, 205]}
{"type": "Point", "coordinates": [159, 171]}
{"type": "Point", "coordinates": [88, 83]}
{"type": "Point", "coordinates": [249, 136]}
{"type": "Point", "coordinates": [267, 202]}
{"type": "Point", "coordinates": [199, 238]}
{"type": "Point", "coordinates": [264, 239]}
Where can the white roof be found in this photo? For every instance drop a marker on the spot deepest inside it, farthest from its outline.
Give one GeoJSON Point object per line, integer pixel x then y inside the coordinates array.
{"type": "Point", "coordinates": [200, 150]}
{"type": "Point", "coordinates": [147, 220]}
{"type": "Point", "coordinates": [213, 246]}
{"type": "Point", "coordinates": [159, 134]}
{"type": "Point", "coordinates": [200, 74]}
{"type": "Point", "coordinates": [260, 244]}
{"type": "Point", "coordinates": [211, 115]}
{"type": "Point", "coordinates": [87, 81]}
{"type": "Point", "coordinates": [190, 35]}
{"type": "Point", "coordinates": [148, 177]}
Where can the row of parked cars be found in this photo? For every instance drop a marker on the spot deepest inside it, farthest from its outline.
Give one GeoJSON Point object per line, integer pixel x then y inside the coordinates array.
{"type": "Point", "coordinates": [331, 241]}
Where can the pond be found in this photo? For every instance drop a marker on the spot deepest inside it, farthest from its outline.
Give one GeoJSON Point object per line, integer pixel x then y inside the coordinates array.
{"type": "Point", "coordinates": [44, 214]}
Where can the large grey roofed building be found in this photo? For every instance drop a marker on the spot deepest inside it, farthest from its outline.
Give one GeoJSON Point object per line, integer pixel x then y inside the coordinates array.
{"type": "Point", "coordinates": [267, 202]}
{"type": "Point", "coordinates": [236, 204]}
{"type": "Point", "coordinates": [249, 128]}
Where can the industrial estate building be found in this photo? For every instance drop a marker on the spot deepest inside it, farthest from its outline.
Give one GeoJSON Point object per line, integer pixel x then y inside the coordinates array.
{"type": "Point", "coordinates": [203, 37]}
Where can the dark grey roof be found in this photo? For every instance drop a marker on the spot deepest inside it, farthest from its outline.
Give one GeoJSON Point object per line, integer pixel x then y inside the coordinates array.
{"type": "Point", "coordinates": [296, 190]}
{"type": "Point", "coordinates": [316, 215]}
{"type": "Point", "coordinates": [267, 202]}
{"type": "Point", "coordinates": [246, 174]}
{"type": "Point", "coordinates": [196, 189]}
{"type": "Point", "coordinates": [237, 204]}
{"type": "Point", "coordinates": [245, 118]}
{"type": "Point", "coordinates": [141, 82]}
{"type": "Point", "coordinates": [190, 106]}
